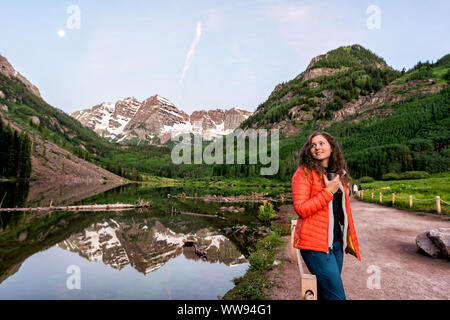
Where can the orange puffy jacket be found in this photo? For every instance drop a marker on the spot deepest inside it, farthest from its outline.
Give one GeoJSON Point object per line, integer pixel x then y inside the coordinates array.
{"type": "Point", "coordinates": [312, 203]}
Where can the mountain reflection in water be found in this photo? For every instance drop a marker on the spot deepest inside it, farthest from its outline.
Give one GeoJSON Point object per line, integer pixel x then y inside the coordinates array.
{"type": "Point", "coordinates": [147, 244]}
{"type": "Point", "coordinates": [135, 254]}
{"type": "Point", "coordinates": [127, 255]}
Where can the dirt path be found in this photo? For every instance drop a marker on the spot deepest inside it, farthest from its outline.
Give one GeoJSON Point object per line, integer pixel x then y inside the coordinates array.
{"type": "Point", "coordinates": [387, 243]}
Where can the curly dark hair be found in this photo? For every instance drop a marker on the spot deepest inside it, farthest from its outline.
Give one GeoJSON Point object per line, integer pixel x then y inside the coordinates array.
{"type": "Point", "coordinates": [336, 163]}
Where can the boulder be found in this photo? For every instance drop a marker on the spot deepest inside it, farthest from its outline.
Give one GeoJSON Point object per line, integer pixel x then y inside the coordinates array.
{"type": "Point", "coordinates": [441, 239]}
{"type": "Point", "coordinates": [426, 246]}
{"type": "Point", "coordinates": [35, 120]}
{"type": "Point", "coordinates": [434, 243]}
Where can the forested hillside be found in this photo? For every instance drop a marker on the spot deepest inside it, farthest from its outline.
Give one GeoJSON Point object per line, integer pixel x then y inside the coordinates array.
{"type": "Point", "coordinates": [38, 119]}
{"type": "Point", "coordinates": [15, 153]}
{"type": "Point", "coordinates": [330, 81]}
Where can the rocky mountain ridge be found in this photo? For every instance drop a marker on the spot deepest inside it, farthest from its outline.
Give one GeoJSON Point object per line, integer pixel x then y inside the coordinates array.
{"type": "Point", "coordinates": [7, 69]}
{"type": "Point", "coordinates": [155, 120]}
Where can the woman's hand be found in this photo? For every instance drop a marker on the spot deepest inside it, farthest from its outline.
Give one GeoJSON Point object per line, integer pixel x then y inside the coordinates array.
{"type": "Point", "coordinates": [332, 185]}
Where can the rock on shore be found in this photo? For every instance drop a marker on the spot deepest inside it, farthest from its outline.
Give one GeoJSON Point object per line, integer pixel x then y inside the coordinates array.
{"type": "Point", "coordinates": [435, 243]}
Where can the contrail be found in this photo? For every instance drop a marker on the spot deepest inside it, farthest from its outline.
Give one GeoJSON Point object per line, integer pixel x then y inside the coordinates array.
{"type": "Point", "coordinates": [190, 55]}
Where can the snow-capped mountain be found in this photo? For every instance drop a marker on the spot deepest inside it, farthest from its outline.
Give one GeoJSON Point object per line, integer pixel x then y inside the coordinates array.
{"type": "Point", "coordinates": [156, 120]}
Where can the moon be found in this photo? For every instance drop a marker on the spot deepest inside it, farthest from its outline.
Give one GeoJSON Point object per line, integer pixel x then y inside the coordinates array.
{"type": "Point", "coordinates": [61, 33]}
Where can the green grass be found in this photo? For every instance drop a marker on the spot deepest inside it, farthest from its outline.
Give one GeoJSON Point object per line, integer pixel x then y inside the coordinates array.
{"type": "Point", "coordinates": [422, 189]}
{"type": "Point", "coordinates": [252, 285]}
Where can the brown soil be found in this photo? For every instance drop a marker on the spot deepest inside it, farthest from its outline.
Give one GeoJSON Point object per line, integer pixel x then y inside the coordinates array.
{"type": "Point", "coordinates": [387, 240]}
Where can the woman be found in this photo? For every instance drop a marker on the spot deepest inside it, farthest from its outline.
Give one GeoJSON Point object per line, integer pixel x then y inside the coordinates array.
{"type": "Point", "coordinates": [326, 229]}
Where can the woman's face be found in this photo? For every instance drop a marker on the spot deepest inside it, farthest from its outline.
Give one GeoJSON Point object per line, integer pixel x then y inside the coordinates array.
{"type": "Point", "coordinates": [321, 149]}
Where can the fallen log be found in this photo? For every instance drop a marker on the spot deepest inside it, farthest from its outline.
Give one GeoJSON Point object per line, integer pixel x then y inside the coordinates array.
{"type": "Point", "coordinates": [217, 215]}
{"type": "Point", "coordinates": [95, 207]}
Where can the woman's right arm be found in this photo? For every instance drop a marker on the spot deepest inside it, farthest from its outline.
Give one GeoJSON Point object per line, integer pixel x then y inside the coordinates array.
{"type": "Point", "coordinates": [301, 189]}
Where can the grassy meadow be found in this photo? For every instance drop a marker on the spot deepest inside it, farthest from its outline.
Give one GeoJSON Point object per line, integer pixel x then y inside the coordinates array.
{"type": "Point", "coordinates": [438, 184]}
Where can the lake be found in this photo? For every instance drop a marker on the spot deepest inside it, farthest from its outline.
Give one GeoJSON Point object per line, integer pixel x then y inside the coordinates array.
{"type": "Point", "coordinates": [134, 254]}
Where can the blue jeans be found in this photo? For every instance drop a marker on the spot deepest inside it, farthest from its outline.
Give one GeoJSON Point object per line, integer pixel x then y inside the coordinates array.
{"type": "Point", "coordinates": [327, 268]}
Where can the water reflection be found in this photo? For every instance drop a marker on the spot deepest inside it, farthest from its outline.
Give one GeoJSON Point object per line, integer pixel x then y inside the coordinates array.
{"type": "Point", "coordinates": [13, 194]}
{"type": "Point", "coordinates": [147, 244]}
{"type": "Point", "coordinates": [41, 194]}
{"type": "Point", "coordinates": [138, 243]}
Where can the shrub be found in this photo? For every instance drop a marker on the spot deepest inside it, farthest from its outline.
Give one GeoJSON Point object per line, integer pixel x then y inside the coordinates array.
{"type": "Point", "coordinates": [390, 176]}
{"type": "Point", "coordinates": [261, 260]}
{"type": "Point", "coordinates": [266, 212]}
{"type": "Point", "coordinates": [270, 242]}
{"type": "Point", "coordinates": [447, 75]}
{"type": "Point", "coordinates": [366, 179]}
{"type": "Point", "coordinates": [414, 175]}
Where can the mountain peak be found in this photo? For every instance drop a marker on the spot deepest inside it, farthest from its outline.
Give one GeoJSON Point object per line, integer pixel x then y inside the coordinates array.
{"type": "Point", "coordinates": [8, 70]}
{"type": "Point", "coordinates": [334, 84]}
{"type": "Point", "coordinates": [347, 56]}
{"type": "Point", "coordinates": [342, 58]}
{"type": "Point", "coordinates": [131, 98]}
{"type": "Point", "coordinates": [158, 99]}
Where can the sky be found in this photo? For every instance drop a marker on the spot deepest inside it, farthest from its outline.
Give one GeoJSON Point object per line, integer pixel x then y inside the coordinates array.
{"type": "Point", "coordinates": [203, 54]}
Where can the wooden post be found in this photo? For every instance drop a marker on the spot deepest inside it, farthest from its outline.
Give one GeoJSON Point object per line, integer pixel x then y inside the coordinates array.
{"type": "Point", "coordinates": [381, 197]}
{"type": "Point", "coordinates": [308, 282]}
{"type": "Point", "coordinates": [410, 201]}
{"type": "Point", "coordinates": [372, 195]}
{"type": "Point", "coordinates": [438, 204]}
{"type": "Point", "coordinates": [362, 194]}
{"type": "Point", "coordinates": [293, 256]}
{"type": "Point", "coordinates": [393, 198]}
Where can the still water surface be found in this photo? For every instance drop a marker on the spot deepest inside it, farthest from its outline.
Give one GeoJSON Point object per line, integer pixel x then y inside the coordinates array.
{"type": "Point", "coordinates": [137, 254]}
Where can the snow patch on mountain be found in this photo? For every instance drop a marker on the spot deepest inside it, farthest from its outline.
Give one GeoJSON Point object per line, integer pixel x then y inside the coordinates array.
{"type": "Point", "coordinates": [156, 120]}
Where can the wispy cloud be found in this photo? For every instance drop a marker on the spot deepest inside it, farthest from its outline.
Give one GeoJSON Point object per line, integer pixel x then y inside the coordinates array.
{"type": "Point", "coordinates": [191, 53]}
